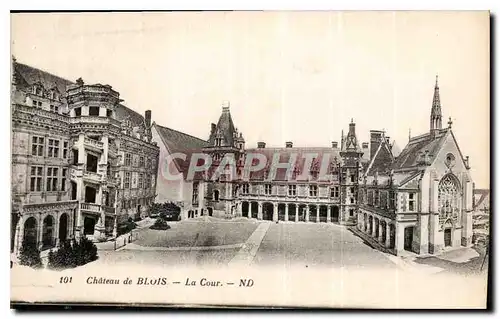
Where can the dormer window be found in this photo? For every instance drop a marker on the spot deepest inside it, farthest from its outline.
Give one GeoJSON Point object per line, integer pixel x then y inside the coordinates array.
{"type": "Point", "coordinates": [218, 141]}
{"type": "Point", "coordinates": [37, 90]}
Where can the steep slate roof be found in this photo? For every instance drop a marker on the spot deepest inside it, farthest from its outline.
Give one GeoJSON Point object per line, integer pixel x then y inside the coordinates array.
{"type": "Point", "coordinates": [225, 127]}
{"type": "Point", "coordinates": [382, 161]}
{"type": "Point", "coordinates": [27, 76]}
{"type": "Point", "coordinates": [123, 113]}
{"type": "Point", "coordinates": [178, 142]}
{"type": "Point", "coordinates": [410, 155]}
{"type": "Point", "coordinates": [484, 193]}
{"type": "Point", "coordinates": [286, 153]}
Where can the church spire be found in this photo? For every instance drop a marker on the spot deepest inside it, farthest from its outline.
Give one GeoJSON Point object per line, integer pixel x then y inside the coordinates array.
{"type": "Point", "coordinates": [436, 117]}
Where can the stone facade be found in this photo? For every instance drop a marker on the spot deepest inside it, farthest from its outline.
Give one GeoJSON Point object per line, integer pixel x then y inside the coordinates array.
{"type": "Point", "coordinates": [82, 163]}
{"type": "Point", "coordinates": [420, 201]}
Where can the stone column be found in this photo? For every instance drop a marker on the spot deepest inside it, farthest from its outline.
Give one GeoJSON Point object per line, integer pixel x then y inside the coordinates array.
{"type": "Point", "coordinates": [372, 227]}
{"type": "Point", "coordinates": [387, 234]}
{"type": "Point", "coordinates": [275, 212]}
{"type": "Point", "coordinates": [317, 213]}
{"type": "Point", "coordinates": [286, 211]}
{"type": "Point", "coordinates": [400, 239]}
{"type": "Point", "coordinates": [56, 229]}
{"type": "Point", "coordinates": [380, 230]}
{"type": "Point", "coordinates": [259, 212]}
{"type": "Point", "coordinates": [329, 214]}
{"type": "Point", "coordinates": [297, 213]}
{"type": "Point", "coordinates": [40, 231]}
{"type": "Point", "coordinates": [307, 213]}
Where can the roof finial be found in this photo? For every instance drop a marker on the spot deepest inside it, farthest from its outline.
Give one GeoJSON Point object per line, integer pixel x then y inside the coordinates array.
{"type": "Point", "coordinates": [409, 134]}
{"type": "Point", "coordinates": [450, 122]}
{"type": "Point", "coordinates": [437, 81]}
{"type": "Point", "coordinates": [352, 120]}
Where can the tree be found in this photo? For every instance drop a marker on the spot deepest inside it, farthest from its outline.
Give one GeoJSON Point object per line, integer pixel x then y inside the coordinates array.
{"type": "Point", "coordinates": [30, 255]}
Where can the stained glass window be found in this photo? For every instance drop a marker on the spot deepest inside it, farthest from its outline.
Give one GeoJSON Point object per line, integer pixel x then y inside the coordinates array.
{"type": "Point", "coordinates": [449, 198]}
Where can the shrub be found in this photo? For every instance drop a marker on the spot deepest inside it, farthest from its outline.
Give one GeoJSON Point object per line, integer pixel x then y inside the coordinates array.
{"type": "Point", "coordinates": [126, 227]}
{"type": "Point", "coordinates": [30, 255]}
{"type": "Point", "coordinates": [160, 224]}
{"type": "Point", "coordinates": [72, 254]}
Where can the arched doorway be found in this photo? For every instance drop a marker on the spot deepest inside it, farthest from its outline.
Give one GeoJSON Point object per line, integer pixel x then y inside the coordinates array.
{"type": "Point", "coordinates": [30, 233]}
{"type": "Point", "coordinates": [392, 238]}
{"type": "Point", "coordinates": [376, 227]}
{"type": "Point", "coordinates": [254, 209]}
{"type": "Point", "coordinates": [245, 210]}
{"type": "Point", "coordinates": [63, 227]}
{"type": "Point", "coordinates": [335, 214]}
{"type": "Point", "coordinates": [281, 211]}
{"type": "Point", "coordinates": [267, 211]}
{"type": "Point", "coordinates": [210, 211]}
{"type": "Point", "coordinates": [312, 213]}
{"type": "Point", "coordinates": [365, 222]}
{"type": "Point", "coordinates": [291, 212]}
{"type": "Point", "coordinates": [322, 214]}
{"type": "Point", "coordinates": [447, 237]}
{"type": "Point", "coordinates": [88, 226]}
{"type": "Point", "coordinates": [384, 231]}
{"type": "Point", "coordinates": [408, 238]}
{"type": "Point", "coordinates": [370, 225]}
{"type": "Point", "coordinates": [302, 213]}
{"type": "Point", "coordinates": [48, 232]}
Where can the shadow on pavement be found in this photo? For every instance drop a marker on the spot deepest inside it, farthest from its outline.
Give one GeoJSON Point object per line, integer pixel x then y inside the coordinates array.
{"type": "Point", "coordinates": [471, 267]}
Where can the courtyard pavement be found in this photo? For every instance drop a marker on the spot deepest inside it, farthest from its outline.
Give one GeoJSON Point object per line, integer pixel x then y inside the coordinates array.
{"type": "Point", "coordinates": [211, 241]}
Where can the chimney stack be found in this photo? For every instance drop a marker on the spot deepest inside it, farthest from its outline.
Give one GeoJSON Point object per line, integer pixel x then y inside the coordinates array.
{"type": "Point", "coordinates": [213, 128]}
{"type": "Point", "coordinates": [261, 145]}
{"type": "Point", "coordinates": [335, 144]}
{"type": "Point", "coordinates": [365, 145]}
{"type": "Point", "coordinates": [289, 144]}
{"type": "Point", "coordinates": [147, 118]}
{"type": "Point", "coordinates": [375, 137]}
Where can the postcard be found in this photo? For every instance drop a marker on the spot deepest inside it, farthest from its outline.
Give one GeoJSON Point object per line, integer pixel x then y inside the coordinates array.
{"type": "Point", "coordinates": [271, 159]}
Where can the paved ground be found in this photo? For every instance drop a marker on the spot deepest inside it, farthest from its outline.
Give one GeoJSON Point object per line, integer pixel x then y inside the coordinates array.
{"type": "Point", "coordinates": [197, 233]}
{"type": "Point", "coordinates": [463, 261]}
{"type": "Point", "coordinates": [167, 258]}
{"type": "Point", "coordinates": [317, 245]}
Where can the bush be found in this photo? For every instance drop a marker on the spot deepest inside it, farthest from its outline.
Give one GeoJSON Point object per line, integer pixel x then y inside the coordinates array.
{"type": "Point", "coordinates": [30, 255]}
{"type": "Point", "coordinates": [126, 227]}
{"type": "Point", "coordinates": [160, 224]}
{"type": "Point", "coordinates": [72, 254]}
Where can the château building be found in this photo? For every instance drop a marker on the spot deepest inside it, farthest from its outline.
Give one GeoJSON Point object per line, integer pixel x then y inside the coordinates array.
{"type": "Point", "coordinates": [420, 201]}
{"type": "Point", "coordinates": [82, 162]}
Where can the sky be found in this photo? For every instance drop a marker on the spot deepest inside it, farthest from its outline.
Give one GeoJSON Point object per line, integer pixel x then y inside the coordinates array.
{"type": "Point", "coordinates": [289, 76]}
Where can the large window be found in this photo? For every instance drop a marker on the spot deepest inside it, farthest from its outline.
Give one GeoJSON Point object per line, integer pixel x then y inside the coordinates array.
{"type": "Point", "coordinates": [334, 192]}
{"type": "Point", "coordinates": [36, 178]}
{"type": "Point", "coordinates": [141, 161]}
{"type": "Point", "coordinates": [411, 202]}
{"type": "Point", "coordinates": [313, 190]}
{"type": "Point", "coordinates": [53, 148]}
{"type": "Point", "coordinates": [37, 143]}
{"type": "Point", "coordinates": [292, 190]}
{"type": "Point", "coordinates": [128, 159]}
{"type": "Point", "coordinates": [63, 179]}
{"type": "Point", "coordinates": [65, 149]}
{"type": "Point", "coordinates": [52, 179]}
{"type": "Point", "coordinates": [245, 189]}
{"type": "Point", "coordinates": [141, 181]}
{"type": "Point", "coordinates": [449, 197]}
{"type": "Point", "coordinates": [194, 199]}
{"type": "Point", "coordinates": [268, 189]}
{"type": "Point", "coordinates": [126, 182]}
